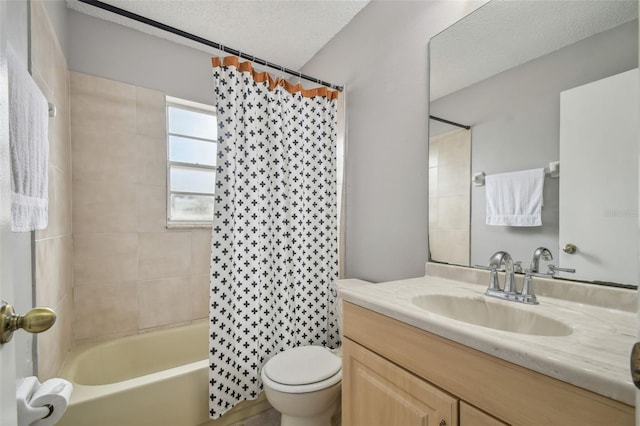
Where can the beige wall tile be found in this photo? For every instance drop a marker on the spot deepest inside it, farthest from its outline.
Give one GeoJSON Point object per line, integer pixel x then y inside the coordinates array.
{"type": "Point", "coordinates": [150, 113]}
{"type": "Point", "coordinates": [454, 147]}
{"type": "Point", "coordinates": [164, 302]}
{"type": "Point", "coordinates": [152, 210]}
{"type": "Point", "coordinates": [59, 221]}
{"type": "Point", "coordinates": [104, 258]}
{"type": "Point", "coordinates": [104, 310]}
{"type": "Point", "coordinates": [59, 136]}
{"type": "Point", "coordinates": [434, 144]}
{"type": "Point", "coordinates": [41, 42]}
{"type": "Point", "coordinates": [164, 255]}
{"type": "Point", "coordinates": [454, 213]}
{"type": "Point", "coordinates": [54, 266]}
{"type": "Point", "coordinates": [60, 77]}
{"type": "Point", "coordinates": [433, 182]}
{"type": "Point", "coordinates": [101, 206]}
{"type": "Point", "coordinates": [200, 296]}
{"type": "Point", "coordinates": [152, 160]}
{"type": "Point", "coordinates": [200, 251]}
{"type": "Point", "coordinates": [433, 213]}
{"type": "Point", "coordinates": [453, 179]}
{"type": "Point", "coordinates": [98, 104]}
{"type": "Point", "coordinates": [450, 246]}
{"type": "Point", "coordinates": [106, 155]}
{"type": "Point", "coordinates": [54, 345]}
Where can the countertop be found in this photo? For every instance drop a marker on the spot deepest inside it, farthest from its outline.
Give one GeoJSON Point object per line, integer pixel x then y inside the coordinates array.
{"type": "Point", "coordinates": [595, 356]}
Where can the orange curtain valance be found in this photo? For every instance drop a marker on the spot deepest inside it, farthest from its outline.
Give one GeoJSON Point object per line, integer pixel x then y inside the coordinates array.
{"type": "Point", "coordinates": [261, 77]}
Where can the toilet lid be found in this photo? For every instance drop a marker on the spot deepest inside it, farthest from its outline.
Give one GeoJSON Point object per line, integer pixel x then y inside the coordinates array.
{"type": "Point", "coordinates": [302, 365]}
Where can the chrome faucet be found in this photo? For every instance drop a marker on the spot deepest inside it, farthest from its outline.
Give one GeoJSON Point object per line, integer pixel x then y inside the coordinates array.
{"type": "Point", "coordinates": [527, 294]}
{"type": "Point", "coordinates": [509, 291]}
{"type": "Point", "coordinates": [495, 263]}
{"type": "Point", "coordinates": [541, 252]}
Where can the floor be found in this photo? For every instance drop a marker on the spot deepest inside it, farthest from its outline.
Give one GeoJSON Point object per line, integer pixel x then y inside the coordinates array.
{"type": "Point", "coordinates": [269, 417]}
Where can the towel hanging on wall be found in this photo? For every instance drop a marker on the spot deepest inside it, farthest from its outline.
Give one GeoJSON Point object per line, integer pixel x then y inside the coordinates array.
{"type": "Point", "coordinates": [29, 145]}
{"type": "Point", "coordinates": [515, 199]}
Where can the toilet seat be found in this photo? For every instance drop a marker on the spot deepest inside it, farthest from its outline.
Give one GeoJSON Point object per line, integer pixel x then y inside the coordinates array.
{"type": "Point", "coordinates": [302, 369]}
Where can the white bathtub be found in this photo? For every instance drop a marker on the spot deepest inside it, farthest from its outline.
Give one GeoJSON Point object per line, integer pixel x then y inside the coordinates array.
{"type": "Point", "coordinates": [158, 378]}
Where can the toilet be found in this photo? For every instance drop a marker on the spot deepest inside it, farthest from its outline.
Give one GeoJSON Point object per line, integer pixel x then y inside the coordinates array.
{"type": "Point", "coordinates": [303, 384]}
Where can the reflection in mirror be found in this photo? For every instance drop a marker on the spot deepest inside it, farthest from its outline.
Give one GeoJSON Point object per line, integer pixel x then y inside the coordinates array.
{"type": "Point", "coordinates": [503, 70]}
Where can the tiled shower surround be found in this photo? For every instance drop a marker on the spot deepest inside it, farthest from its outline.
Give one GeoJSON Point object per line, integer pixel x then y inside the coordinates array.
{"type": "Point", "coordinates": [131, 273]}
{"type": "Point", "coordinates": [54, 245]}
{"type": "Point", "coordinates": [450, 197]}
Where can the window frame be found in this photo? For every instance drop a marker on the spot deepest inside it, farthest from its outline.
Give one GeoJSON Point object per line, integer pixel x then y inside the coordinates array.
{"type": "Point", "coordinates": [172, 102]}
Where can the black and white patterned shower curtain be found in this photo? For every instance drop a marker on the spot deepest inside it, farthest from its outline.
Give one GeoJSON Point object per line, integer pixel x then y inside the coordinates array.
{"type": "Point", "coordinates": [274, 250]}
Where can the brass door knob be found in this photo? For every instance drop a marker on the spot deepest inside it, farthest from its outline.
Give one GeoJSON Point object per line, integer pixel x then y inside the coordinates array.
{"type": "Point", "coordinates": [36, 320]}
{"type": "Point", "coordinates": [635, 364]}
{"type": "Point", "coordinates": [569, 248]}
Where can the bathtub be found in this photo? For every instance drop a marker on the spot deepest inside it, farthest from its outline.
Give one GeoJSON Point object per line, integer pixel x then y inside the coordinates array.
{"type": "Point", "coordinates": [158, 378]}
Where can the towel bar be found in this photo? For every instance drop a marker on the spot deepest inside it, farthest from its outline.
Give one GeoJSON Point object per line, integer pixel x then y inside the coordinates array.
{"type": "Point", "coordinates": [553, 170]}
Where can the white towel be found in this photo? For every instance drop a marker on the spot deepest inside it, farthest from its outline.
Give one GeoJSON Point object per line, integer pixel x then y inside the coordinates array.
{"type": "Point", "coordinates": [29, 142]}
{"type": "Point", "coordinates": [515, 199]}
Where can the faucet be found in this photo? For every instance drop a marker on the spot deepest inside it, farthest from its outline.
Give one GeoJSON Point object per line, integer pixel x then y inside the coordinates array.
{"type": "Point", "coordinates": [527, 294]}
{"type": "Point", "coordinates": [497, 260]}
{"type": "Point", "coordinates": [541, 252]}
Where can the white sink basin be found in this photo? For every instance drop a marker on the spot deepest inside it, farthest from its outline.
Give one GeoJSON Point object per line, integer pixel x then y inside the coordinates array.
{"type": "Point", "coordinates": [499, 315]}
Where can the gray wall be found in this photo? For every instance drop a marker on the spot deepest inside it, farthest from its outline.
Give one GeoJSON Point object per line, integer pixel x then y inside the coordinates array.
{"type": "Point", "coordinates": [515, 118]}
{"type": "Point", "coordinates": [381, 56]}
{"type": "Point", "coordinates": [112, 51]}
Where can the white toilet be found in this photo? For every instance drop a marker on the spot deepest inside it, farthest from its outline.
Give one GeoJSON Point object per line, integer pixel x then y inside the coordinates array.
{"type": "Point", "coordinates": [303, 384]}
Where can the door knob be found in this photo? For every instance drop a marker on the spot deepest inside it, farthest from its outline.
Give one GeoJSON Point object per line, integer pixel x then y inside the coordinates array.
{"type": "Point", "coordinates": [569, 248]}
{"type": "Point", "coordinates": [635, 364]}
{"type": "Point", "coordinates": [36, 320]}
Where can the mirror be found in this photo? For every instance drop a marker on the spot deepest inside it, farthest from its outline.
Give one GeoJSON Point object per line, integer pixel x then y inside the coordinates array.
{"type": "Point", "coordinates": [502, 71]}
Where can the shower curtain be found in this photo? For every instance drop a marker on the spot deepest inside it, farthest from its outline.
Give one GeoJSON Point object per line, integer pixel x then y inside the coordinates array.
{"type": "Point", "coordinates": [274, 257]}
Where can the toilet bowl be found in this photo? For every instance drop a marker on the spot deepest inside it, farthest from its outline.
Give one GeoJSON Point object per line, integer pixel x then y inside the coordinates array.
{"type": "Point", "coordinates": [303, 384]}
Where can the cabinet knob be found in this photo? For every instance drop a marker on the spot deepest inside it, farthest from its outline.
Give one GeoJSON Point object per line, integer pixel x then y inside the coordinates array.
{"type": "Point", "coordinates": [443, 422]}
{"type": "Point", "coordinates": [570, 248]}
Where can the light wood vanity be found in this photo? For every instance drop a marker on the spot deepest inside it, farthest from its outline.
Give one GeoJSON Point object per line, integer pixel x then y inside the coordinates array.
{"type": "Point", "coordinates": [398, 374]}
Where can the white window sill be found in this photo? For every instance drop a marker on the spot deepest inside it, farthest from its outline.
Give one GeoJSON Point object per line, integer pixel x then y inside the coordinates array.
{"type": "Point", "coordinates": [188, 225]}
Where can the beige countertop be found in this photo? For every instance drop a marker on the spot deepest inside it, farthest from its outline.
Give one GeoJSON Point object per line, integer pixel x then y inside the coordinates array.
{"type": "Point", "coordinates": [595, 356]}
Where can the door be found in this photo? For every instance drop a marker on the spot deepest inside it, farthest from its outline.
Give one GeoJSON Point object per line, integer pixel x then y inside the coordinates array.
{"type": "Point", "coordinates": [8, 415]}
{"type": "Point", "coordinates": [599, 179]}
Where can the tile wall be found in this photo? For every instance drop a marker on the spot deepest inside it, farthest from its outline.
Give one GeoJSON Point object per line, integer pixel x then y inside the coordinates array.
{"type": "Point", "coordinates": [54, 245]}
{"type": "Point", "coordinates": [450, 197]}
{"type": "Point", "coordinates": [131, 274]}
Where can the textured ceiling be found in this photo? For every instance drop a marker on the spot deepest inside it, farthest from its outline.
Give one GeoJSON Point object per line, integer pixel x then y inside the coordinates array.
{"type": "Point", "coordinates": [506, 33]}
{"type": "Point", "coordinates": [285, 32]}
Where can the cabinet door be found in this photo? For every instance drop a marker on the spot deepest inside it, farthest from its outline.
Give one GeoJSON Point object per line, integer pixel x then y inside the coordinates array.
{"type": "Point", "coordinates": [471, 416]}
{"type": "Point", "coordinates": [377, 392]}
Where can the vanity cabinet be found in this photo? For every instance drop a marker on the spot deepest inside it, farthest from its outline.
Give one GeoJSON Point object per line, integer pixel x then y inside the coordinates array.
{"type": "Point", "coordinates": [397, 374]}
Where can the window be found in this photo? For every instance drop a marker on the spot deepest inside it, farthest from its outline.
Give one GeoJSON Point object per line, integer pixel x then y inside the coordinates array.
{"type": "Point", "coordinates": [191, 154]}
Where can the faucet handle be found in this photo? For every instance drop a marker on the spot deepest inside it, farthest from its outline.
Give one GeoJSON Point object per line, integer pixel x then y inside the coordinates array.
{"type": "Point", "coordinates": [486, 268]}
{"type": "Point", "coordinates": [527, 295]}
{"type": "Point", "coordinates": [517, 267]}
{"type": "Point", "coordinates": [553, 269]}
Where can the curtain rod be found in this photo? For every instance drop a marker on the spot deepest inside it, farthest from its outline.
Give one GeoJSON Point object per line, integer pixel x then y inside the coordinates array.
{"type": "Point", "coordinates": [453, 123]}
{"type": "Point", "coordinates": [204, 41]}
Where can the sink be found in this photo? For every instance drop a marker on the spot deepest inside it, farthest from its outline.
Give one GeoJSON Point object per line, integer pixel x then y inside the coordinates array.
{"type": "Point", "coordinates": [499, 315]}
